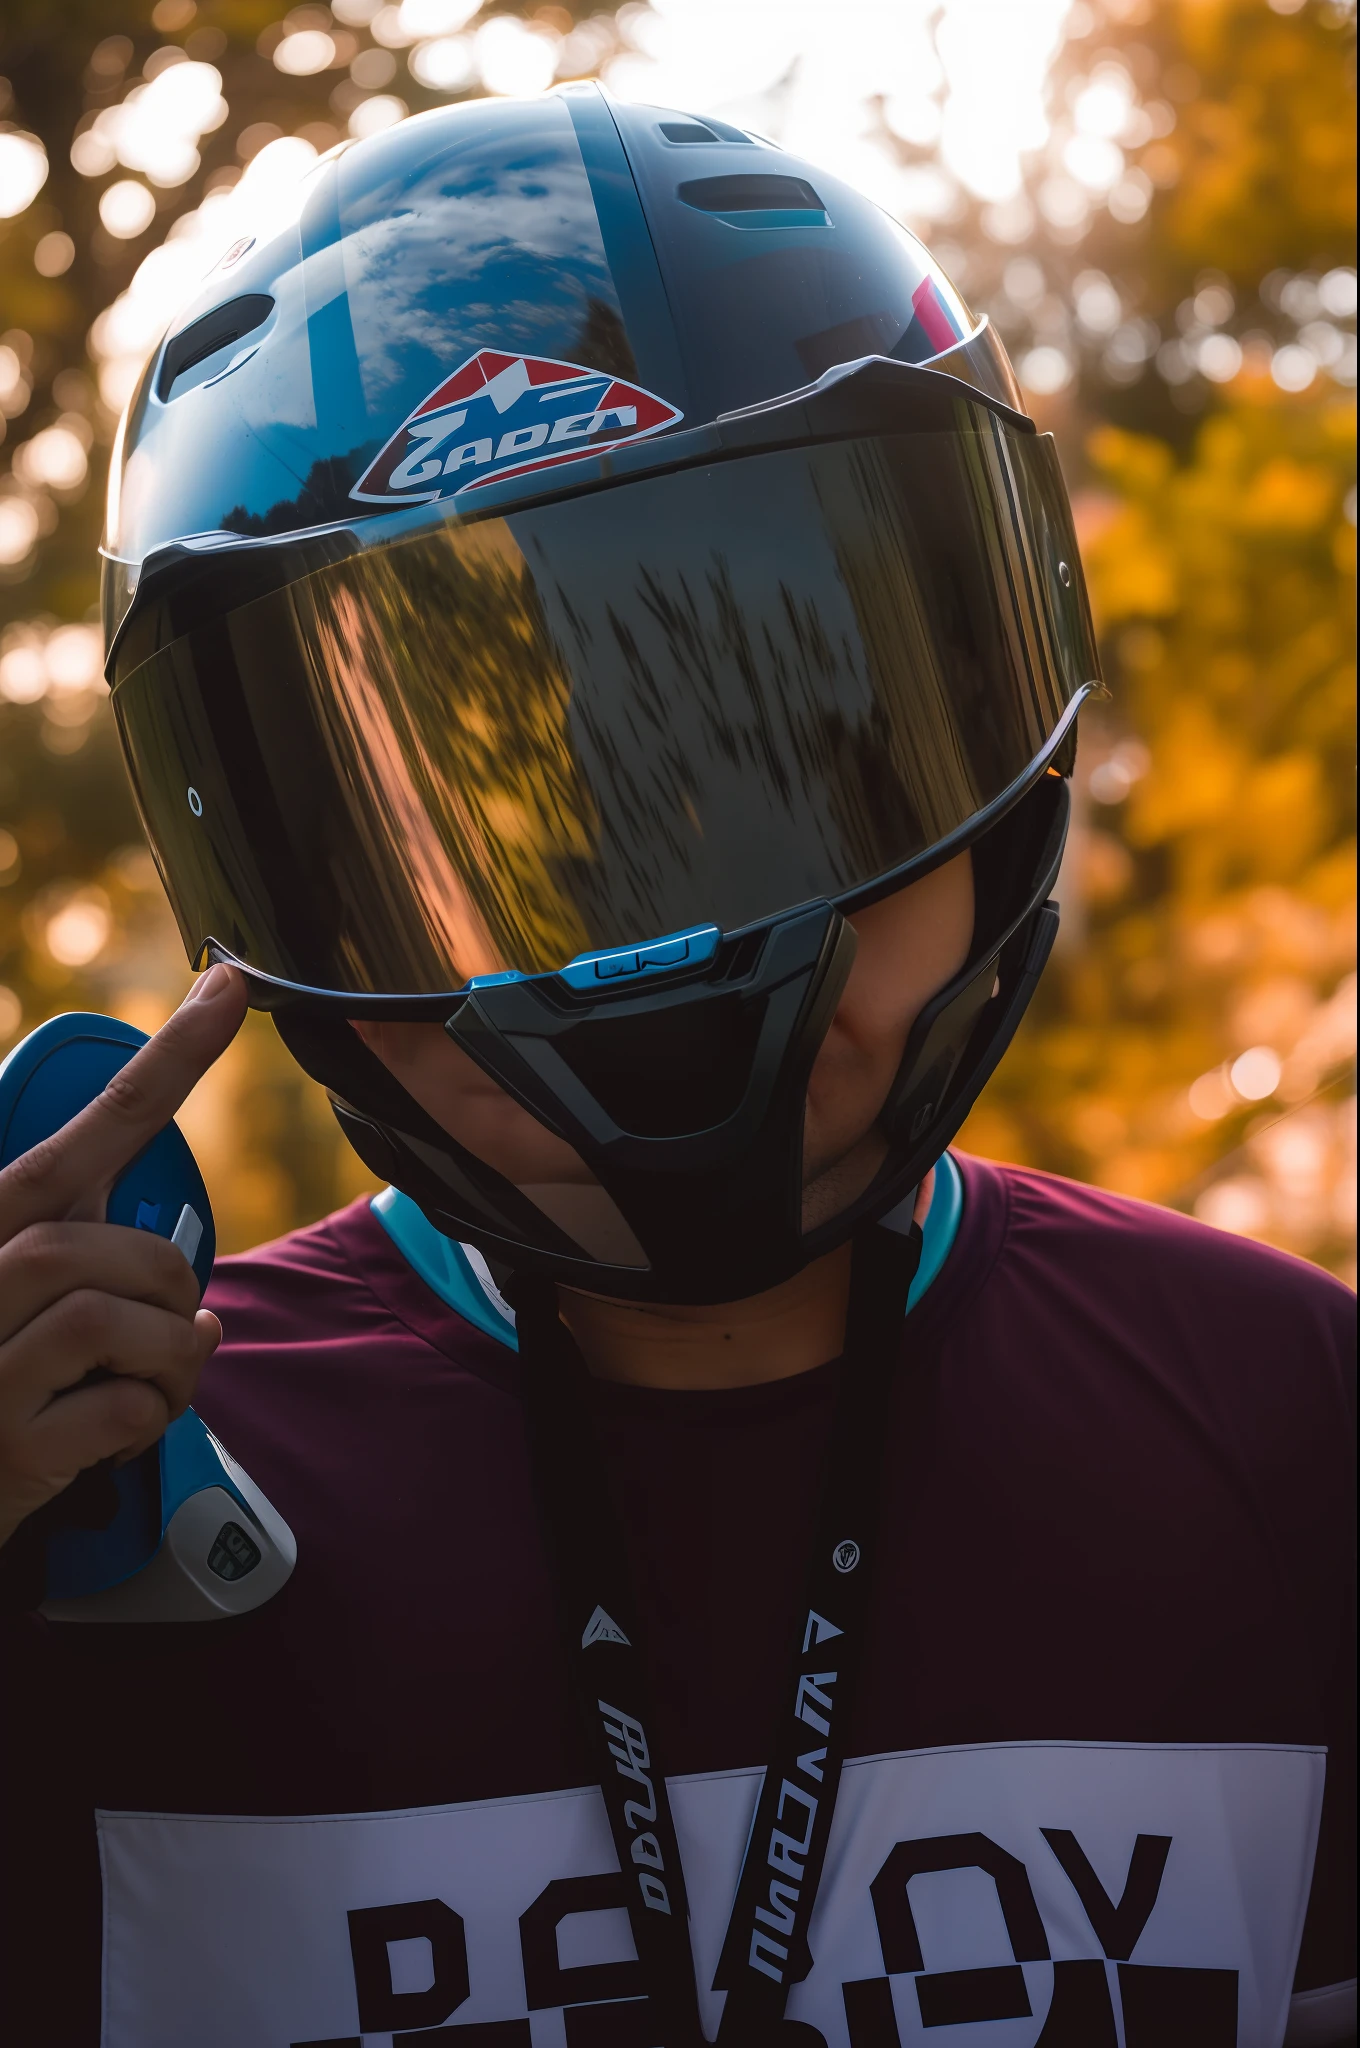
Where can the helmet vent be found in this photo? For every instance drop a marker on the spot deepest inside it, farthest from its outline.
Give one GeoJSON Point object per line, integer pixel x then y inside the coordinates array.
{"type": "Point", "coordinates": [203, 338]}
{"type": "Point", "coordinates": [759, 193]}
{"type": "Point", "coordinates": [702, 131]}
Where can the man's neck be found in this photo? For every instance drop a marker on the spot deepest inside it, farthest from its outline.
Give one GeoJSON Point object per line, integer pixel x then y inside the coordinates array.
{"type": "Point", "coordinates": [773, 1336]}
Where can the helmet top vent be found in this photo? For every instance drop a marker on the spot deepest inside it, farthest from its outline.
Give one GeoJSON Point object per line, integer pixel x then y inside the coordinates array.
{"type": "Point", "coordinates": [203, 338]}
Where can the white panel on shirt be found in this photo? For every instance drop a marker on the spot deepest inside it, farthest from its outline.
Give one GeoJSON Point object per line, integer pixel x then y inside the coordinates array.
{"type": "Point", "coordinates": [940, 1895]}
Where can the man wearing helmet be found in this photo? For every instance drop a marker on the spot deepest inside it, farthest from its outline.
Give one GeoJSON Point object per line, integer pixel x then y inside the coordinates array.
{"type": "Point", "coordinates": [597, 644]}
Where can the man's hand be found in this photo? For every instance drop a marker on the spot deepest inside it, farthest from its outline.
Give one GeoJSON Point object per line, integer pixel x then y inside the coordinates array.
{"type": "Point", "coordinates": [77, 1293]}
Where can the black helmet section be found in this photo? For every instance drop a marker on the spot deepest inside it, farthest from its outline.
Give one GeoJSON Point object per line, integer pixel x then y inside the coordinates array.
{"type": "Point", "coordinates": [961, 1033]}
{"type": "Point", "coordinates": [398, 337]}
{"type": "Point", "coordinates": [702, 698]}
{"type": "Point", "coordinates": [774, 271]}
{"type": "Point", "coordinates": [686, 1104]}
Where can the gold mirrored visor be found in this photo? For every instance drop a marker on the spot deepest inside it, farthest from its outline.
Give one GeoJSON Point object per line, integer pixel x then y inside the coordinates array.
{"type": "Point", "coordinates": [698, 698]}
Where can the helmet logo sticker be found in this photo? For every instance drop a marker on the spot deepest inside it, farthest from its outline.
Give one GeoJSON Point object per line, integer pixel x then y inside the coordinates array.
{"type": "Point", "coordinates": [502, 415]}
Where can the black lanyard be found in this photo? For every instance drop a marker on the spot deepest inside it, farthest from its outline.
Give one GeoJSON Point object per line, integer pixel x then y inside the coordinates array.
{"type": "Point", "coordinates": [765, 1951]}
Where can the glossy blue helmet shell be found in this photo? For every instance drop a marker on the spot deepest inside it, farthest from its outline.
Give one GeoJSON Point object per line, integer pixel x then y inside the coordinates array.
{"type": "Point", "coordinates": [685, 257]}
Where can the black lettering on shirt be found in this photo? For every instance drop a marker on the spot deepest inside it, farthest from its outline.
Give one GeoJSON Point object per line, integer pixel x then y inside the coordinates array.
{"type": "Point", "coordinates": [946, 1997]}
{"type": "Point", "coordinates": [1116, 1928]}
{"type": "Point", "coordinates": [546, 1982]}
{"type": "Point", "coordinates": [1166, 2008]}
{"type": "Point", "coordinates": [626, 2023]}
{"type": "Point", "coordinates": [892, 1908]}
{"type": "Point", "coordinates": [951, 1998]}
{"type": "Point", "coordinates": [371, 1928]}
{"type": "Point", "coordinates": [1080, 2014]}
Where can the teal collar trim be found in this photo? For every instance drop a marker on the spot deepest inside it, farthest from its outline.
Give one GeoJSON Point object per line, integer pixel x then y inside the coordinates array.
{"type": "Point", "coordinates": [459, 1274]}
{"type": "Point", "coordinates": [940, 1228]}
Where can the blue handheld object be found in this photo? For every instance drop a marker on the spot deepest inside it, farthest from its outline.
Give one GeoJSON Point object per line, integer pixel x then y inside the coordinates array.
{"type": "Point", "coordinates": [192, 1537]}
{"type": "Point", "coordinates": [52, 1075]}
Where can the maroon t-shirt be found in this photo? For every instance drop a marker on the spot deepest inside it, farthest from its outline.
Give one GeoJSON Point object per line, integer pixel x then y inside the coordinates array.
{"type": "Point", "coordinates": [1102, 1752]}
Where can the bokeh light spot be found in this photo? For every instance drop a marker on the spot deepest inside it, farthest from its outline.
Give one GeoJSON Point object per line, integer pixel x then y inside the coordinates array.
{"type": "Point", "coordinates": [19, 529]}
{"type": "Point", "coordinates": [307, 51]}
{"type": "Point", "coordinates": [78, 933]}
{"type": "Point", "coordinates": [1255, 1074]}
{"type": "Point", "coordinates": [443, 65]}
{"type": "Point", "coordinates": [54, 254]}
{"type": "Point", "coordinates": [1045, 371]}
{"type": "Point", "coordinates": [23, 171]}
{"type": "Point", "coordinates": [384, 110]}
{"type": "Point", "coordinates": [127, 209]}
{"type": "Point", "coordinates": [55, 457]}
{"type": "Point", "coordinates": [513, 58]}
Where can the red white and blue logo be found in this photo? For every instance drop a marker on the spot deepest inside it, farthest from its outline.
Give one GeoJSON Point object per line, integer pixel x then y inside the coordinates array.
{"type": "Point", "coordinates": [501, 415]}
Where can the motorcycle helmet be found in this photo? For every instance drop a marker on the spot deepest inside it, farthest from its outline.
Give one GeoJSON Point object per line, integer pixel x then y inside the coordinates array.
{"type": "Point", "coordinates": [553, 580]}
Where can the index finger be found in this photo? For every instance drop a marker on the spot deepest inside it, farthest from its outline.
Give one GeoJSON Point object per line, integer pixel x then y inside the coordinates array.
{"type": "Point", "coordinates": [87, 1153]}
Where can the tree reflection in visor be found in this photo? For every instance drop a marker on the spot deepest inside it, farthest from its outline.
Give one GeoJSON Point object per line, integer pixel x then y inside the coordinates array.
{"type": "Point", "coordinates": [696, 698]}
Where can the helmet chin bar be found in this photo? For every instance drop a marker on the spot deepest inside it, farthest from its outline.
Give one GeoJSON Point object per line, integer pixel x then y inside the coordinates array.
{"type": "Point", "coordinates": [703, 1162]}
{"type": "Point", "coordinates": [687, 1104]}
{"type": "Point", "coordinates": [706, 1169]}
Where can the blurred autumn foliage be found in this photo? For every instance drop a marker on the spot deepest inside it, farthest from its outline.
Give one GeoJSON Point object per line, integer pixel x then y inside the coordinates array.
{"type": "Point", "coordinates": [1181, 309]}
{"type": "Point", "coordinates": [1194, 1043]}
{"type": "Point", "coordinates": [1259, 174]}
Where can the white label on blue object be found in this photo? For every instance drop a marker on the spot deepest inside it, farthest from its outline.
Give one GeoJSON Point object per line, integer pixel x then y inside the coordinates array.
{"type": "Point", "coordinates": [187, 1234]}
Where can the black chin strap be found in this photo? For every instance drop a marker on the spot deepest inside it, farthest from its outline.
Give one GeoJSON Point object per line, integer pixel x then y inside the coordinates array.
{"type": "Point", "coordinates": [765, 1951]}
